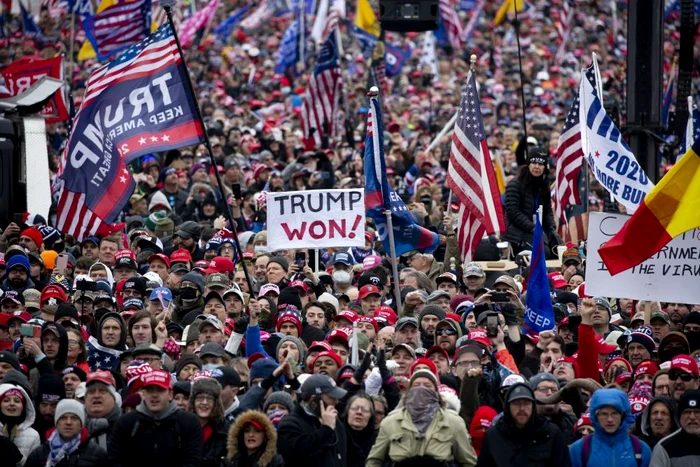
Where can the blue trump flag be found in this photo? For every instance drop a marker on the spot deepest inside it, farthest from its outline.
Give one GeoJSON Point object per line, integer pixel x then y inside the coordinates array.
{"type": "Point", "coordinates": [293, 43]}
{"type": "Point", "coordinates": [408, 235]}
{"type": "Point", "coordinates": [539, 314]}
{"type": "Point", "coordinates": [227, 26]}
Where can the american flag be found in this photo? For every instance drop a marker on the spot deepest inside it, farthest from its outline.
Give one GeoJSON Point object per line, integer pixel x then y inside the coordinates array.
{"type": "Point", "coordinates": [449, 17]}
{"type": "Point", "coordinates": [198, 21]}
{"type": "Point", "coordinates": [570, 157]}
{"type": "Point", "coordinates": [471, 175]}
{"type": "Point", "coordinates": [101, 357]}
{"type": "Point", "coordinates": [262, 13]}
{"type": "Point", "coordinates": [564, 27]}
{"type": "Point", "coordinates": [160, 17]}
{"type": "Point", "coordinates": [320, 106]}
{"type": "Point", "coordinates": [93, 183]}
{"type": "Point", "coordinates": [335, 13]}
{"type": "Point", "coordinates": [118, 27]}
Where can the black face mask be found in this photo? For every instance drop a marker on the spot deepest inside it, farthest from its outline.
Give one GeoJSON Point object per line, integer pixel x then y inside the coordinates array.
{"type": "Point", "coordinates": [188, 293]}
{"type": "Point", "coordinates": [693, 340]}
{"type": "Point", "coordinates": [668, 354]}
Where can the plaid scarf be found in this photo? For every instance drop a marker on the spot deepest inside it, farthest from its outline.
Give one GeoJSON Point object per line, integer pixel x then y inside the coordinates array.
{"type": "Point", "coordinates": [58, 448]}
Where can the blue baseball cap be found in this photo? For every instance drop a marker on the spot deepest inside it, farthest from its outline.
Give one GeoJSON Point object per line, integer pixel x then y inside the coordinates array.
{"type": "Point", "coordinates": [163, 295]}
{"type": "Point", "coordinates": [342, 258]}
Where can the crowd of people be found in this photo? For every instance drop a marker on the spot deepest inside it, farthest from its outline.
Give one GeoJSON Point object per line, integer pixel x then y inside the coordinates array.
{"type": "Point", "coordinates": [162, 345]}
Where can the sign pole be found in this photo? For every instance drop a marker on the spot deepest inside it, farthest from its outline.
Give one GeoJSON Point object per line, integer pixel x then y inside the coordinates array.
{"type": "Point", "coordinates": [167, 5]}
{"type": "Point", "coordinates": [394, 262]}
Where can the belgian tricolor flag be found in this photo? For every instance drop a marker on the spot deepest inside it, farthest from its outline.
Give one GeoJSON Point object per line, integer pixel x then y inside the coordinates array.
{"type": "Point", "coordinates": [671, 208]}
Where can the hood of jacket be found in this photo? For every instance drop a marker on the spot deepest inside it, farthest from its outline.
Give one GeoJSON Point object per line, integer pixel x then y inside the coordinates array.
{"type": "Point", "coordinates": [508, 418]}
{"type": "Point", "coordinates": [618, 400]}
{"type": "Point", "coordinates": [169, 410]}
{"type": "Point", "coordinates": [29, 411]}
{"type": "Point", "coordinates": [235, 435]}
{"type": "Point", "coordinates": [62, 355]}
{"type": "Point", "coordinates": [110, 276]}
{"type": "Point", "coordinates": [159, 198]}
{"type": "Point", "coordinates": [646, 415]}
{"type": "Point", "coordinates": [122, 337]}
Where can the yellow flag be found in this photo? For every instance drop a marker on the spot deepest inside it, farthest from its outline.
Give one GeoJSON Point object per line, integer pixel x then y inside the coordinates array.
{"type": "Point", "coordinates": [87, 51]}
{"type": "Point", "coordinates": [508, 6]}
{"type": "Point", "coordinates": [365, 18]}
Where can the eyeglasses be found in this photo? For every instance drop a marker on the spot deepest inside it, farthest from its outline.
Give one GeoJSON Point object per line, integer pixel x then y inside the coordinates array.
{"type": "Point", "coordinates": [204, 398]}
{"type": "Point", "coordinates": [546, 390]}
{"type": "Point", "coordinates": [682, 375]}
{"type": "Point", "coordinates": [468, 364]}
{"type": "Point", "coordinates": [72, 342]}
{"type": "Point", "coordinates": [445, 332]}
{"type": "Point", "coordinates": [612, 414]}
{"type": "Point", "coordinates": [360, 408]}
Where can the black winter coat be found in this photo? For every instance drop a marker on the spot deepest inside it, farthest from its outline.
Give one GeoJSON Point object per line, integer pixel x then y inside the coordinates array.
{"type": "Point", "coordinates": [520, 207]}
{"type": "Point", "coordinates": [539, 444]}
{"type": "Point", "coordinates": [87, 455]}
{"type": "Point", "coordinates": [214, 452]}
{"type": "Point", "coordinates": [173, 439]}
{"type": "Point", "coordinates": [303, 441]}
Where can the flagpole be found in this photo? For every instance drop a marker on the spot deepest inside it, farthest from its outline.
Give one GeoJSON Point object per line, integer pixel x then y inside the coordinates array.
{"type": "Point", "coordinates": [167, 6]}
{"type": "Point", "coordinates": [374, 93]}
{"type": "Point", "coordinates": [446, 129]}
{"type": "Point", "coordinates": [520, 68]}
{"type": "Point", "coordinates": [72, 41]}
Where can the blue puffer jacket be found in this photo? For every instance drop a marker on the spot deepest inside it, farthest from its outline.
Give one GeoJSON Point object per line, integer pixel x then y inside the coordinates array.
{"type": "Point", "coordinates": [614, 450]}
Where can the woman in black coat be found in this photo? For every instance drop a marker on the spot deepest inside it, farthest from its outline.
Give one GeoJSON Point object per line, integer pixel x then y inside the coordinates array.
{"type": "Point", "coordinates": [524, 194]}
{"type": "Point", "coordinates": [205, 403]}
{"type": "Point", "coordinates": [359, 424]}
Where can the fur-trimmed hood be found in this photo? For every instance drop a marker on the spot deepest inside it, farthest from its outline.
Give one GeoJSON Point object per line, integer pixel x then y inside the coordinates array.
{"type": "Point", "coordinates": [236, 432]}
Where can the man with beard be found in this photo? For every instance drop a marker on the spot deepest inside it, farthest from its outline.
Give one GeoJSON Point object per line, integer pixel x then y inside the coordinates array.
{"type": "Point", "coordinates": [544, 385]}
{"type": "Point", "coordinates": [187, 238]}
{"type": "Point", "coordinates": [51, 391]}
{"type": "Point", "coordinates": [103, 406]}
{"type": "Point", "coordinates": [406, 330]}
{"type": "Point", "coordinates": [17, 273]}
{"type": "Point", "coordinates": [521, 436]}
{"type": "Point", "coordinates": [428, 318]}
{"type": "Point", "coordinates": [446, 334]}
{"type": "Point", "coordinates": [72, 377]}
{"type": "Point", "coordinates": [677, 313]}
{"type": "Point", "coordinates": [658, 421]}
{"type": "Point", "coordinates": [640, 346]}
{"type": "Point", "coordinates": [189, 303]}
{"type": "Point", "coordinates": [691, 329]}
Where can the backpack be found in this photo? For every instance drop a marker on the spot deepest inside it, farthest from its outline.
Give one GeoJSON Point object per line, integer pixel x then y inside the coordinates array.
{"type": "Point", "coordinates": [586, 451]}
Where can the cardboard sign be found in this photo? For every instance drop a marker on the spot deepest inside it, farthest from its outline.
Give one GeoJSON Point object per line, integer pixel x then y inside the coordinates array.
{"type": "Point", "coordinates": [315, 219]}
{"type": "Point", "coordinates": [671, 275]}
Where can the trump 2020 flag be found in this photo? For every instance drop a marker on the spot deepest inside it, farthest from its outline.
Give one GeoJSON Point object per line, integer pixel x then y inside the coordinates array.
{"type": "Point", "coordinates": [539, 314]}
{"type": "Point", "coordinates": [138, 104]}
{"type": "Point", "coordinates": [408, 235]}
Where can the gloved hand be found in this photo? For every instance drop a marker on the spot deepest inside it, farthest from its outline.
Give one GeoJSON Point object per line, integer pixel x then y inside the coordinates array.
{"type": "Point", "coordinates": [508, 312]}
{"type": "Point", "coordinates": [241, 324]}
{"type": "Point", "coordinates": [381, 364]}
{"type": "Point", "coordinates": [359, 374]}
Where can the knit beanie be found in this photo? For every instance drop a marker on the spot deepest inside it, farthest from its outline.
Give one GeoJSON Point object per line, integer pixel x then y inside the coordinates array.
{"type": "Point", "coordinates": [424, 374]}
{"type": "Point", "coordinates": [262, 368]}
{"type": "Point", "coordinates": [187, 359]}
{"type": "Point", "coordinates": [164, 227]}
{"type": "Point", "coordinates": [431, 310]}
{"type": "Point", "coordinates": [282, 261]}
{"type": "Point", "coordinates": [290, 296]}
{"type": "Point", "coordinates": [539, 377]}
{"type": "Point", "coordinates": [69, 406]}
{"type": "Point", "coordinates": [35, 235]}
{"type": "Point", "coordinates": [152, 220]}
{"type": "Point", "coordinates": [297, 342]}
{"type": "Point", "coordinates": [50, 389]}
{"type": "Point", "coordinates": [206, 386]}
{"type": "Point", "coordinates": [279, 397]}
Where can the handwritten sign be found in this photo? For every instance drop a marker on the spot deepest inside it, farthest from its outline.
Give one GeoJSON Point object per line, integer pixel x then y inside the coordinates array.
{"type": "Point", "coordinates": [671, 275]}
{"type": "Point", "coordinates": [315, 219]}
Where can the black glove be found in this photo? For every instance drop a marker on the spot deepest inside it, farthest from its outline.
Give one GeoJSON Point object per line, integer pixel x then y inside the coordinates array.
{"type": "Point", "coordinates": [508, 312]}
{"type": "Point", "coordinates": [362, 369]}
{"type": "Point", "coordinates": [241, 324]}
{"type": "Point", "coordinates": [381, 364]}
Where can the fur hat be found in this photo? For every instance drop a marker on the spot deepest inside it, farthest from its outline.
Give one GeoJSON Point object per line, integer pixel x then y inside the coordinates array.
{"type": "Point", "coordinates": [213, 388]}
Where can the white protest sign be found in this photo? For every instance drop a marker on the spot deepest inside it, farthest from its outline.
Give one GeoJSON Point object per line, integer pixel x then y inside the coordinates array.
{"type": "Point", "coordinates": [315, 219]}
{"type": "Point", "coordinates": [671, 275]}
{"type": "Point", "coordinates": [608, 155]}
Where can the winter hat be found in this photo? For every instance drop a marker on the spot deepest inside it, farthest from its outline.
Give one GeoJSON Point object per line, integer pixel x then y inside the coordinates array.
{"type": "Point", "coordinates": [481, 422]}
{"type": "Point", "coordinates": [195, 278]}
{"type": "Point", "coordinates": [585, 420]}
{"type": "Point", "coordinates": [621, 360]}
{"type": "Point", "coordinates": [50, 389]}
{"type": "Point", "coordinates": [327, 353]}
{"type": "Point", "coordinates": [539, 377]}
{"type": "Point", "coordinates": [206, 386]}
{"type": "Point", "coordinates": [297, 342]}
{"type": "Point", "coordinates": [187, 359]}
{"type": "Point", "coordinates": [261, 369]}
{"type": "Point", "coordinates": [182, 387]}
{"type": "Point", "coordinates": [423, 361]}
{"type": "Point", "coordinates": [281, 261]}
{"type": "Point", "coordinates": [69, 406]}
{"type": "Point", "coordinates": [431, 310]}
{"type": "Point", "coordinates": [14, 392]}
{"type": "Point", "coordinates": [35, 235]}
{"type": "Point", "coordinates": [644, 339]}
{"type": "Point", "coordinates": [290, 296]}
{"type": "Point", "coordinates": [279, 397]}
{"type": "Point", "coordinates": [424, 374]}
{"type": "Point", "coordinates": [647, 367]}
{"type": "Point", "coordinates": [132, 401]}
{"type": "Point", "coordinates": [10, 358]}
{"type": "Point", "coordinates": [289, 317]}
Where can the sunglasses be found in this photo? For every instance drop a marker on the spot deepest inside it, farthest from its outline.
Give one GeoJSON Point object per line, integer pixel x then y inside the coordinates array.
{"type": "Point", "coordinates": [683, 376]}
{"type": "Point", "coordinates": [445, 332]}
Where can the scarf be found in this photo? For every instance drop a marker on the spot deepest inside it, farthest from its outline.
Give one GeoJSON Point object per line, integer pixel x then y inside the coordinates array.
{"type": "Point", "coordinates": [59, 449]}
{"type": "Point", "coordinates": [421, 404]}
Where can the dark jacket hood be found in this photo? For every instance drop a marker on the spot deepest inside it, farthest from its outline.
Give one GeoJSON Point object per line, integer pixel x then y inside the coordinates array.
{"type": "Point", "coordinates": [646, 415]}
{"type": "Point", "coordinates": [62, 355]}
{"type": "Point", "coordinates": [122, 338]}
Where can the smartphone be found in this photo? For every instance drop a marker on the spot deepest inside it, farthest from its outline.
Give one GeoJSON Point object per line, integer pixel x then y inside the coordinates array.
{"type": "Point", "coordinates": [30, 330]}
{"type": "Point", "coordinates": [61, 264]}
{"type": "Point", "coordinates": [492, 325]}
{"type": "Point", "coordinates": [236, 188]}
{"type": "Point", "coordinates": [300, 260]}
{"type": "Point", "coordinates": [500, 297]}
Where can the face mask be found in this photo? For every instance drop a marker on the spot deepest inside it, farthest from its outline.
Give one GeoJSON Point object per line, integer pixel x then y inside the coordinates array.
{"type": "Point", "coordinates": [260, 249]}
{"type": "Point", "coordinates": [209, 366]}
{"type": "Point", "coordinates": [693, 340]}
{"type": "Point", "coordinates": [342, 277]}
{"type": "Point", "coordinates": [188, 293]}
